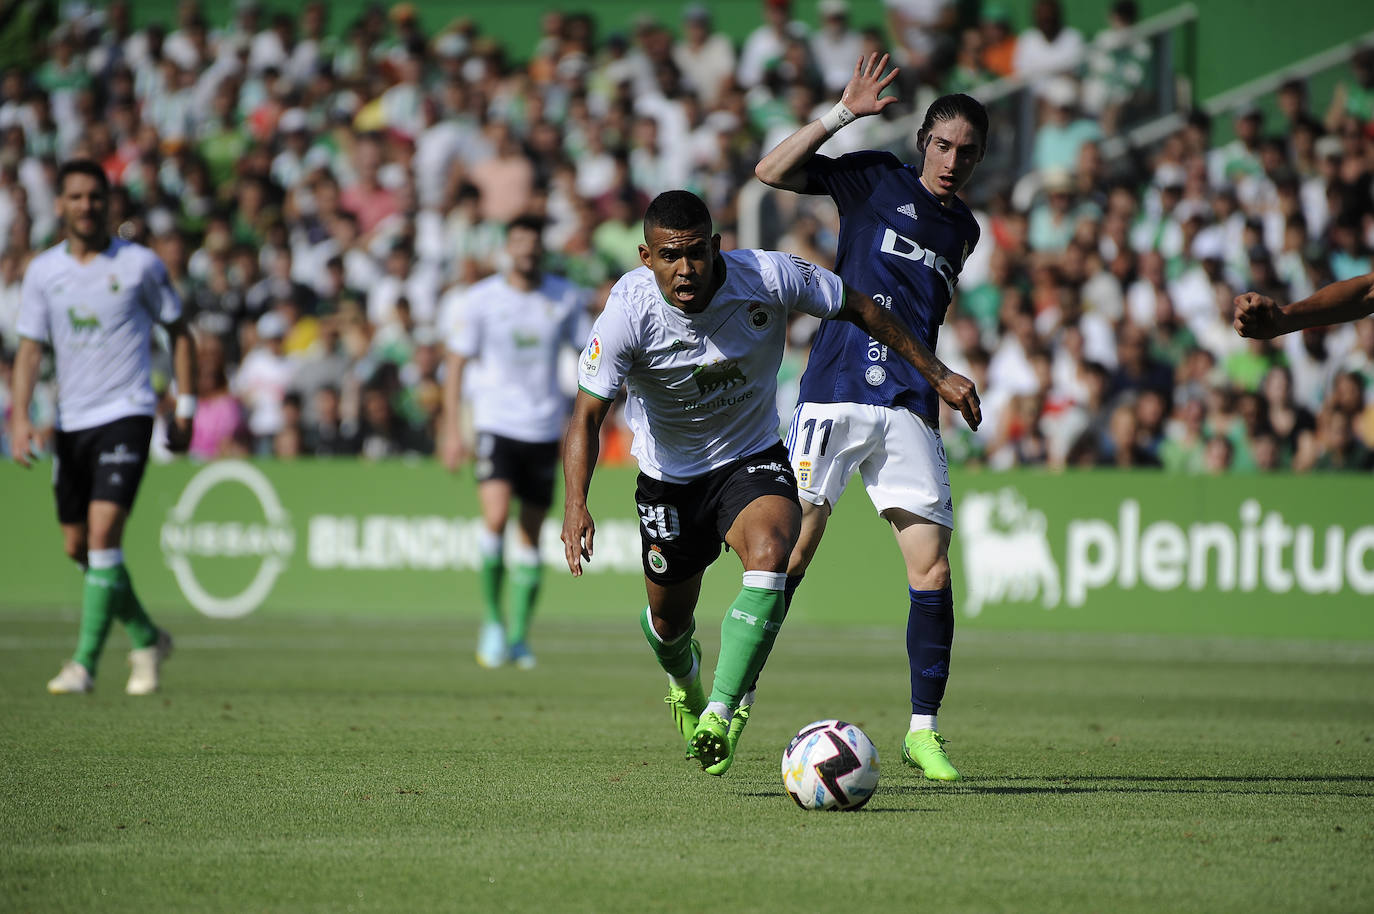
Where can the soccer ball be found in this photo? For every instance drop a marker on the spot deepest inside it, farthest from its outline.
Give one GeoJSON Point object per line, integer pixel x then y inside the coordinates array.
{"type": "Point", "coordinates": [830, 764]}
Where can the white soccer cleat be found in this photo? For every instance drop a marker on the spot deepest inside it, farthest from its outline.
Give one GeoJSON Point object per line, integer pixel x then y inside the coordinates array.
{"type": "Point", "coordinates": [74, 679]}
{"type": "Point", "coordinates": [145, 664]}
{"type": "Point", "coordinates": [491, 646]}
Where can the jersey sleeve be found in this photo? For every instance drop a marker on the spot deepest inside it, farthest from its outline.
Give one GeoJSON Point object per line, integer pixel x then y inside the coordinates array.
{"type": "Point", "coordinates": [606, 360]}
{"type": "Point", "coordinates": [465, 338]}
{"type": "Point", "coordinates": [851, 178]}
{"type": "Point", "coordinates": [34, 320]}
{"type": "Point", "coordinates": [803, 286]}
{"type": "Point", "coordinates": [161, 300]}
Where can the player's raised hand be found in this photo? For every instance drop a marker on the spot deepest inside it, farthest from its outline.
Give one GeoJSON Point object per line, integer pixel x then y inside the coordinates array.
{"type": "Point", "coordinates": [867, 83]}
{"type": "Point", "coordinates": [1257, 316]}
{"type": "Point", "coordinates": [959, 392]}
{"type": "Point", "coordinates": [578, 531]}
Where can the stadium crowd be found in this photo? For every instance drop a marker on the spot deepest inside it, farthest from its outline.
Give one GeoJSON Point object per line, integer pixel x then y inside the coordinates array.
{"type": "Point", "coordinates": [322, 193]}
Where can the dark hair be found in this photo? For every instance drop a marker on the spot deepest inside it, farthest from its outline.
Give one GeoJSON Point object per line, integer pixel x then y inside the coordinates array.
{"type": "Point", "coordinates": [949, 107]}
{"type": "Point", "coordinates": [677, 209]}
{"type": "Point", "coordinates": [82, 167]}
{"type": "Point", "coordinates": [527, 221]}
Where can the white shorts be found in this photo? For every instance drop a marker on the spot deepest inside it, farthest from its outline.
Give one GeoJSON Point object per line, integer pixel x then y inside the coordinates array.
{"type": "Point", "coordinates": [900, 458]}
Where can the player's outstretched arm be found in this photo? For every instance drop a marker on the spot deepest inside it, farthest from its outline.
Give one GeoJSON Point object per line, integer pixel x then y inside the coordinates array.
{"type": "Point", "coordinates": [1261, 318]}
{"type": "Point", "coordinates": [184, 370]}
{"type": "Point", "coordinates": [581, 448]}
{"type": "Point", "coordinates": [22, 381]}
{"type": "Point", "coordinates": [955, 389]}
{"type": "Point", "coordinates": [784, 166]}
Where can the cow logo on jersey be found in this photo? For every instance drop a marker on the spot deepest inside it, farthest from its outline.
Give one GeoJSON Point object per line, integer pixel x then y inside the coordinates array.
{"type": "Point", "coordinates": [903, 247]}
{"type": "Point", "coordinates": [591, 359]}
{"type": "Point", "coordinates": [805, 267]}
{"type": "Point", "coordinates": [657, 563]}
{"type": "Point", "coordinates": [908, 209]}
{"type": "Point", "coordinates": [82, 322]}
{"type": "Point", "coordinates": [717, 376]}
{"type": "Point", "coordinates": [875, 375]}
{"type": "Point", "coordinates": [759, 318]}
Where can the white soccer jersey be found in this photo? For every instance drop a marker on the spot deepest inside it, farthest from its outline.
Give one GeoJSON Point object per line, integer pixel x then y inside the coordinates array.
{"type": "Point", "coordinates": [702, 387]}
{"type": "Point", "coordinates": [98, 318]}
{"type": "Point", "coordinates": [514, 338]}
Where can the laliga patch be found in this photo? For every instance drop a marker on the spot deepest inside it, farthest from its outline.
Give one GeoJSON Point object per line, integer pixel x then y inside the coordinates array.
{"type": "Point", "coordinates": [657, 563]}
{"type": "Point", "coordinates": [875, 375]}
{"type": "Point", "coordinates": [591, 359]}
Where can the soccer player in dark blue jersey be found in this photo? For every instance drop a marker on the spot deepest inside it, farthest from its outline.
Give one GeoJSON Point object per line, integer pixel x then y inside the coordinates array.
{"type": "Point", "coordinates": [904, 235]}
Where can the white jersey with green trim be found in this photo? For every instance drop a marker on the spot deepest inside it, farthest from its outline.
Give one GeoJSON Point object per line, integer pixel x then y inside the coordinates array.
{"type": "Point", "coordinates": [702, 387]}
{"type": "Point", "coordinates": [514, 338]}
{"type": "Point", "coordinates": [98, 317]}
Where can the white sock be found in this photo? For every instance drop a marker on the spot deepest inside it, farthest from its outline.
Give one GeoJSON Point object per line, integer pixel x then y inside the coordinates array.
{"type": "Point", "coordinates": [105, 558]}
{"type": "Point", "coordinates": [748, 698]}
{"type": "Point", "coordinates": [683, 682]}
{"type": "Point", "coordinates": [718, 707]}
{"type": "Point", "coordinates": [522, 554]}
{"type": "Point", "coordinates": [490, 544]}
{"type": "Point", "coordinates": [923, 722]}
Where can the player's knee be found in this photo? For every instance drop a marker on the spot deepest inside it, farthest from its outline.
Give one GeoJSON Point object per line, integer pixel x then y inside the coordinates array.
{"type": "Point", "coordinates": [769, 553]}
{"type": "Point", "coordinates": [929, 576]}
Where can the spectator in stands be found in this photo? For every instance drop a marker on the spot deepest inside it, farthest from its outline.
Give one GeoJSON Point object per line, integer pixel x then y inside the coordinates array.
{"type": "Point", "coordinates": [705, 58]}
{"type": "Point", "coordinates": [766, 44]}
{"type": "Point", "coordinates": [1049, 45]}
{"type": "Point", "coordinates": [1118, 67]}
{"type": "Point", "coordinates": [999, 42]}
{"type": "Point", "coordinates": [922, 31]}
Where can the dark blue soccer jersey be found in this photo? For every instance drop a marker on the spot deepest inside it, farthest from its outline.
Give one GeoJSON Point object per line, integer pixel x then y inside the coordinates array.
{"type": "Point", "coordinates": [900, 245]}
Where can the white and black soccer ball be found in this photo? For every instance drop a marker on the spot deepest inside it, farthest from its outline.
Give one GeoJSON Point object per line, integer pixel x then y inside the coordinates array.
{"type": "Point", "coordinates": [830, 764]}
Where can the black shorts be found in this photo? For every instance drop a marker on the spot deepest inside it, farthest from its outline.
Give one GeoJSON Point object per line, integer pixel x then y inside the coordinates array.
{"type": "Point", "coordinates": [528, 466]}
{"type": "Point", "coordinates": [104, 463]}
{"type": "Point", "coordinates": [682, 525]}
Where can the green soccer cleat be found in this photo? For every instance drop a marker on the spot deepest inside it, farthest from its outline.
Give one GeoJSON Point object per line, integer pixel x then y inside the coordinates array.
{"type": "Point", "coordinates": [686, 704]}
{"type": "Point", "coordinates": [737, 722]}
{"type": "Point", "coordinates": [925, 749]}
{"type": "Point", "coordinates": [710, 744]}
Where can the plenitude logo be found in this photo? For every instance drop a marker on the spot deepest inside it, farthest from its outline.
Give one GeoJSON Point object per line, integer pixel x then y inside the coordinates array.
{"type": "Point", "coordinates": [1009, 553]}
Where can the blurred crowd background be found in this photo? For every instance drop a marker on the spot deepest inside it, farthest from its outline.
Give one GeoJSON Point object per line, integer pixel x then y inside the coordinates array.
{"type": "Point", "coordinates": [322, 193]}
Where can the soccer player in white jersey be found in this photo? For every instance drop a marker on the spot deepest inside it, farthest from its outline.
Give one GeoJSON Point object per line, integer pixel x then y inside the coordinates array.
{"type": "Point", "coordinates": [94, 300]}
{"type": "Point", "coordinates": [696, 337]}
{"type": "Point", "coordinates": [507, 336]}
{"type": "Point", "coordinates": [904, 236]}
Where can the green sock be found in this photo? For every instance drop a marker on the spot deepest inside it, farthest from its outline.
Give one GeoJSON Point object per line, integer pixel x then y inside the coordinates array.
{"type": "Point", "coordinates": [524, 590]}
{"type": "Point", "coordinates": [492, 573]}
{"type": "Point", "coordinates": [128, 609]}
{"type": "Point", "coordinates": [674, 656]}
{"type": "Point", "coordinates": [746, 636]}
{"type": "Point", "coordinates": [98, 600]}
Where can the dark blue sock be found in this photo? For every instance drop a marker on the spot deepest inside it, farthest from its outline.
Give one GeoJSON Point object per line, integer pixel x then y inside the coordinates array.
{"type": "Point", "coordinates": [788, 589]}
{"type": "Point", "coordinates": [929, 637]}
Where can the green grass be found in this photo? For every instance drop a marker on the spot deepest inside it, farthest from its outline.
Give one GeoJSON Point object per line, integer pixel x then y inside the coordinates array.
{"type": "Point", "coordinates": [355, 764]}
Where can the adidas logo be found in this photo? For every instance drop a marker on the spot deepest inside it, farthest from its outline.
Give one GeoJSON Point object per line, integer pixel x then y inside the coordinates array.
{"type": "Point", "coordinates": [939, 671]}
{"type": "Point", "coordinates": [908, 209]}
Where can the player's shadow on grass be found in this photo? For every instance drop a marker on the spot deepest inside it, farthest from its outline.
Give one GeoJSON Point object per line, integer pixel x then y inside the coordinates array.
{"type": "Point", "coordinates": [1246, 785]}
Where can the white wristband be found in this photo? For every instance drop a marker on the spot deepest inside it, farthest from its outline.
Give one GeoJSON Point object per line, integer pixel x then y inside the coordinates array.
{"type": "Point", "coordinates": [186, 406]}
{"type": "Point", "coordinates": [836, 118]}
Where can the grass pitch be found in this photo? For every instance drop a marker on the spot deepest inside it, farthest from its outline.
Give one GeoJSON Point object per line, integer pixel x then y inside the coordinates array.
{"type": "Point", "coordinates": [295, 764]}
